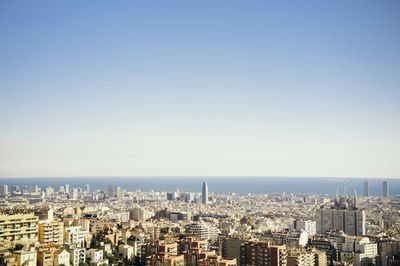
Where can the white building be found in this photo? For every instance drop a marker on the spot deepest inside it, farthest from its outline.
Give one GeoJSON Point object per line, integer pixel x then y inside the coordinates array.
{"type": "Point", "coordinates": [127, 251]}
{"type": "Point", "coordinates": [77, 255]}
{"type": "Point", "coordinates": [310, 227]}
{"type": "Point", "coordinates": [61, 257]}
{"type": "Point", "coordinates": [75, 235]}
{"type": "Point", "coordinates": [139, 214]}
{"type": "Point", "coordinates": [94, 255]}
{"type": "Point", "coordinates": [360, 249]}
{"type": "Point", "coordinates": [26, 258]}
{"type": "Point", "coordinates": [200, 230]}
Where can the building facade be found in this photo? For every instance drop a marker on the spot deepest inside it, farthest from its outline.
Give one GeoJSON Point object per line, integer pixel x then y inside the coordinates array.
{"type": "Point", "coordinates": [18, 228]}
{"type": "Point", "coordinates": [204, 193]}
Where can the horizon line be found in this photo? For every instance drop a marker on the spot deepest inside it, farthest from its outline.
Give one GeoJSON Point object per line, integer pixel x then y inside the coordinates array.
{"type": "Point", "coordinates": [196, 176]}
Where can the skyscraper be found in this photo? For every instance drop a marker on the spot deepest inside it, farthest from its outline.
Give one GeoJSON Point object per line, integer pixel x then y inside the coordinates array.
{"type": "Point", "coordinates": [355, 202]}
{"type": "Point", "coordinates": [110, 190]}
{"type": "Point", "coordinates": [67, 188]}
{"type": "Point", "coordinates": [345, 188]}
{"type": "Point", "coordinates": [204, 194]}
{"type": "Point", "coordinates": [4, 190]}
{"type": "Point", "coordinates": [385, 187]}
{"type": "Point", "coordinates": [366, 188]}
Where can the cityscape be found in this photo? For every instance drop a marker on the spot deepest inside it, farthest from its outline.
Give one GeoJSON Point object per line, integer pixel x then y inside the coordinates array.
{"type": "Point", "coordinates": [79, 226]}
{"type": "Point", "coordinates": [199, 133]}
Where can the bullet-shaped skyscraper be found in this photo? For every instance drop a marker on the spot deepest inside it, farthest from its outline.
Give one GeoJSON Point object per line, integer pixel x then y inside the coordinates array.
{"type": "Point", "coordinates": [385, 188]}
{"type": "Point", "coordinates": [204, 193]}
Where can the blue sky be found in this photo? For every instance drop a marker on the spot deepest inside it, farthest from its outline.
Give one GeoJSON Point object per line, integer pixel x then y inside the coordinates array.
{"type": "Point", "coordinates": [261, 88]}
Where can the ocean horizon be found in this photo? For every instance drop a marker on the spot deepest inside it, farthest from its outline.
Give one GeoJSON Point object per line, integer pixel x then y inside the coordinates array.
{"type": "Point", "coordinates": [221, 185]}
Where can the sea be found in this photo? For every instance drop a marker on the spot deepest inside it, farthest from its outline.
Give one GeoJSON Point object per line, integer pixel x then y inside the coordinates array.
{"type": "Point", "coordinates": [223, 185]}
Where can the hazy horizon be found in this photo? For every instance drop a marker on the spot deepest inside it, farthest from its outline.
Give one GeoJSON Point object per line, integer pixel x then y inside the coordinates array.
{"type": "Point", "coordinates": [203, 177]}
{"type": "Point", "coordinates": [209, 88]}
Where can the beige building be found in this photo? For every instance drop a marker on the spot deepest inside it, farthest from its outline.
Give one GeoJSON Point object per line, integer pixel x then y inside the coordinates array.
{"type": "Point", "coordinates": [320, 258]}
{"type": "Point", "coordinates": [215, 260]}
{"type": "Point", "coordinates": [300, 258]}
{"type": "Point", "coordinates": [26, 258]}
{"type": "Point", "coordinates": [18, 228]}
{"type": "Point", "coordinates": [51, 232]}
{"type": "Point", "coordinates": [165, 259]}
{"type": "Point", "coordinates": [45, 257]}
{"type": "Point", "coordinates": [7, 259]}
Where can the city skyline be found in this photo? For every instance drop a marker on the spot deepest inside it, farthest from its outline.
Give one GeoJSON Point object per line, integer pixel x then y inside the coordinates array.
{"type": "Point", "coordinates": [199, 89]}
{"type": "Point", "coordinates": [182, 133]}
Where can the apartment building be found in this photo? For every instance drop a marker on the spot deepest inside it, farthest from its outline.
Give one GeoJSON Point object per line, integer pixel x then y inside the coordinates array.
{"type": "Point", "coordinates": [75, 235]}
{"type": "Point", "coordinates": [26, 258]}
{"type": "Point", "coordinates": [77, 254]}
{"type": "Point", "coordinates": [51, 232]}
{"type": "Point", "coordinates": [262, 253]}
{"type": "Point", "coordinates": [18, 228]}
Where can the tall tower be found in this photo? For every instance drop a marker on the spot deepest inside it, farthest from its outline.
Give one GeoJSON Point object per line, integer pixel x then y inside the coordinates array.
{"type": "Point", "coordinates": [355, 200]}
{"type": "Point", "coordinates": [204, 193]}
{"type": "Point", "coordinates": [385, 188]}
{"type": "Point", "coordinates": [366, 188]}
{"type": "Point", "coordinates": [344, 188]}
{"type": "Point", "coordinates": [110, 190]}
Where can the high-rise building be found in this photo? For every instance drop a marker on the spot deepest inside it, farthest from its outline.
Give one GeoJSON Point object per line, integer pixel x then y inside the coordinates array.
{"type": "Point", "coordinates": [49, 191]}
{"type": "Point", "coordinates": [87, 188]}
{"type": "Point", "coordinates": [67, 188]}
{"type": "Point", "coordinates": [355, 202]}
{"type": "Point", "coordinates": [204, 194]}
{"type": "Point", "coordinates": [74, 193]}
{"type": "Point", "coordinates": [385, 187]}
{"type": "Point", "coordinates": [3, 190]}
{"type": "Point", "coordinates": [110, 190]}
{"type": "Point", "coordinates": [366, 188]}
{"type": "Point", "coordinates": [34, 189]}
{"type": "Point", "coordinates": [117, 192]}
{"type": "Point", "coordinates": [342, 216]}
{"type": "Point", "coordinates": [345, 188]}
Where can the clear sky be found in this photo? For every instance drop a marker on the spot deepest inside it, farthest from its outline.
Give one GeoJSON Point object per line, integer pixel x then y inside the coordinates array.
{"type": "Point", "coordinates": [204, 88]}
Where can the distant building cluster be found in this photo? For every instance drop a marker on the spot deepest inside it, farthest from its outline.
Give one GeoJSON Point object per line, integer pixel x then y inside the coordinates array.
{"type": "Point", "coordinates": [74, 226]}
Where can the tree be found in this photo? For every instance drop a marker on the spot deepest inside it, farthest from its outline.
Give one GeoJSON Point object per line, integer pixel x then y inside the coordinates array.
{"type": "Point", "coordinates": [95, 242]}
{"type": "Point", "coordinates": [18, 246]}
